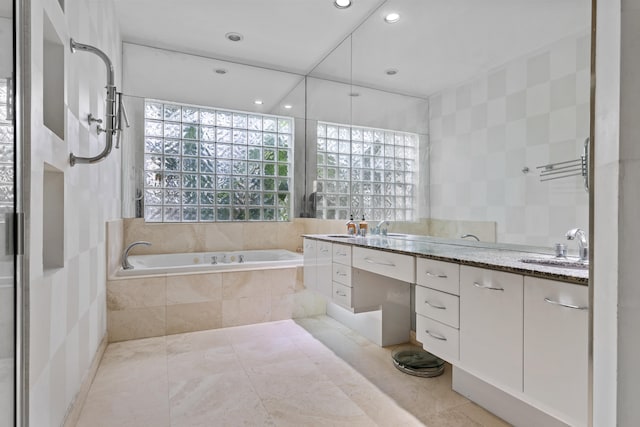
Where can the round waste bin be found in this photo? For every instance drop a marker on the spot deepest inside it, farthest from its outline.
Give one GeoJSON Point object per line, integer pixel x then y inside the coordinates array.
{"type": "Point", "coordinates": [418, 362]}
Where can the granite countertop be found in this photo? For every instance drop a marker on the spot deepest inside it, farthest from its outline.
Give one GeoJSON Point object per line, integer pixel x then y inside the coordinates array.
{"type": "Point", "coordinates": [497, 256]}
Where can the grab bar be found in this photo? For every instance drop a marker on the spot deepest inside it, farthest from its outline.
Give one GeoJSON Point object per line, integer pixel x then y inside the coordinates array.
{"type": "Point", "coordinates": [111, 127]}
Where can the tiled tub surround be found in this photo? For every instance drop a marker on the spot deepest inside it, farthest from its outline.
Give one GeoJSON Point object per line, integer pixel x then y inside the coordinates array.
{"type": "Point", "coordinates": [170, 304]}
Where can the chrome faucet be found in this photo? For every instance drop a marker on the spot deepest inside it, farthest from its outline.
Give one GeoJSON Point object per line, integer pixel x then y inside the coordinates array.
{"type": "Point", "coordinates": [473, 236]}
{"type": "Point", "coordinates": [125, 254]}
{"type": "Point", "coordinates": [583, 243]}
{"type": "Point", "coordinates": [379, 228]}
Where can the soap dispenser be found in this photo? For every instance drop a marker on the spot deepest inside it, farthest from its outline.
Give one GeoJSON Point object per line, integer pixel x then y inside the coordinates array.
{"type": "Point", "coordinates": [364, 226]}
{"type": "Point", "coordinates": [351, 227]}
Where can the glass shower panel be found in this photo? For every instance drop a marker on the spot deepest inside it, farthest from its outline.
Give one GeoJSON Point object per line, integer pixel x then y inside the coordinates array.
{"type": "Point", "coordinates": [7, 209]}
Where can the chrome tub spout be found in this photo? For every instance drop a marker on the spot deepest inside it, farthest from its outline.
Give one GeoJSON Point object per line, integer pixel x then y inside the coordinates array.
{"type": "Point", "coordinates": [125, 255]}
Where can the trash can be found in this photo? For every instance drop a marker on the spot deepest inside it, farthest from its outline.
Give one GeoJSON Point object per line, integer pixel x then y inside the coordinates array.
{"type": "Point", "coordinates": [418, 362]}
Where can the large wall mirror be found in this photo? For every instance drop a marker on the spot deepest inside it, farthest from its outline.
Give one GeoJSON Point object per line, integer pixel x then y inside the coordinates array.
{"type": "Point", "coordinates": [469, 99]}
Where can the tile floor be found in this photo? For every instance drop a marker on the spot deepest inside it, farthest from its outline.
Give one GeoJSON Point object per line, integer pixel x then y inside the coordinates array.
{"type": "Point", "coordinates": [304, 372]}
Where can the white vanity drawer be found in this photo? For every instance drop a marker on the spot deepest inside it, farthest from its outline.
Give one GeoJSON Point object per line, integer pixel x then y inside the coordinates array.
{"type": "Point", "coordinates": [341, 295]}
{"type": "Point", "coordinates": [397, 266]}
{"type": "Point", "coordinates": [342, 254]}
{"type": "Point", "coordinates": [440, 275]}
{"type": "Point", "coordinates": [440, 306]}
{"type": "Point", "coordinates": [438, 338]}
{"type": "Point", "coordinates": [342, 274]}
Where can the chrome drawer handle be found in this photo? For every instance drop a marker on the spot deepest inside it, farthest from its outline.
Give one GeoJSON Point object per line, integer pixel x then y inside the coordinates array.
{"type": "Point", "coordinates": [324, 250]}
{"type": "Point", "coordinates": [436, 336]}
{"type": "Point", "coordinates": [341, 294]}
{"type": "Point", "coordinates": [341, 274]}
{"type": "Point", "coordinates": [487, 287]}
{"type": "Point", "coordinates": [439, 276]}
{"type": "Point", "coordinates": [575, 307]}
{"type": "Point", "coordinates": [373, 261]}
{"type": "Point", "coordinates": [439, 307]}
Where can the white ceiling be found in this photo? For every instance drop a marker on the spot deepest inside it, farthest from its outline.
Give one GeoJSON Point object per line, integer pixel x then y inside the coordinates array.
{"type": "Point", "coordinates": [436, 44]}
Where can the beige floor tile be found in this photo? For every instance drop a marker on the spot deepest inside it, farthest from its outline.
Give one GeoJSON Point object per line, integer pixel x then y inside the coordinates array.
{"type": "Point", "coordinates": [481, 416]}
{"type": "Point", "coordinates": [135, 402]}
{"type": "Point", "coordinates": [226, 399]}
{"type": "Point", "coordinates": [202, 363]}
{"type": "Point", "coordinates": [195, 341]}
{"type": "Point", "coordinates": [316, 403]}
{"type": "Point", "coordinates": [307, 372]}
{"type": "Point", "coordinates": [269, 350]}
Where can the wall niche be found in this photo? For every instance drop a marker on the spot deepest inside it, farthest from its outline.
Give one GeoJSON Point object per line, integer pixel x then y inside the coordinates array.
{"type": "Point", "coordinates": [52, 217]}
{"type": "Point", "coordinates": [53, 79]}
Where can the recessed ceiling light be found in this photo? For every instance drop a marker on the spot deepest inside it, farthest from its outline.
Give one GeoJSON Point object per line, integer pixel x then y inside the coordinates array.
{"type": "Point", "coordinates": [234, 37]}
{"type": "Point", "coordinates": [258, 102]}
{"type": "Point", "coordinates": [288, 106]}
{"type": "Point", "coordinates": [392, 18]}
{"type": "Point", "coordinates": [391, 72]}
{"type": "Point", "coordinates": [342, 4]}
{"type": "Point", "coordinates": [221, 71]}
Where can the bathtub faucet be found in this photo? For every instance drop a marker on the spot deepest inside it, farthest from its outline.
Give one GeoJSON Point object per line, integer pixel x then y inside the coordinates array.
{"type": "Point", "coordinates": [125, 255]}
{"type": "Point", "coordinates": [214, 260]}
{"type": "Point", "coordinates": [240, 259]}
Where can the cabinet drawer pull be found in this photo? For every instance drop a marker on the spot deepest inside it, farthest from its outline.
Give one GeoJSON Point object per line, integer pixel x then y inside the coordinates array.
{"type": "Point", "coordinates": [575, 307]}
{"type": "Point", "coordinates": [341, 274]}
{"type": "Point", "coordinates": [324, 250]}
{"type": "Point", "coordinates": [487, 287]}
{"type": "Point", "coordinates": [439, 276]}
{"type": "Point", "coordinates": [439, 307]}
{"type": "Point", "coordinates": [341, 253]}
{"type": "Point", "coordinates": [436, 336]}
{"type": "Point", "coordinates": [373, 261]}
{"type": "Point", "coordinates": [341, 294]}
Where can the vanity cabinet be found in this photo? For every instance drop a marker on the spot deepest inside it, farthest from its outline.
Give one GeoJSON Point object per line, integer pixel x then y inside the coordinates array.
{"type": "Point", "coordinates": [310, 251]}
{"type": "Point", "coordinates": [341, 275]}
{"type": "Point", "coordinates": [397, 266]}
{"type": "Point", "coordinates": [491, 318]}
{"type": "Point", "coordinates": [437, 306]}
{"type": "Point", "coordinates": [556, 347]}
{"type": "Point", "coordinates": [324, 260]}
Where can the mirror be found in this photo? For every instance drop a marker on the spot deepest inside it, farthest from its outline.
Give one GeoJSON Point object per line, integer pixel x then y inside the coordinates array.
{"type": "Point", "coordinates": [493, 90]}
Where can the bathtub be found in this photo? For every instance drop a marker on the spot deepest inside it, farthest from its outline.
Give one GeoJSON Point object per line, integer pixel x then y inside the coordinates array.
{"type": "Point", "coordinates": [210, 262]}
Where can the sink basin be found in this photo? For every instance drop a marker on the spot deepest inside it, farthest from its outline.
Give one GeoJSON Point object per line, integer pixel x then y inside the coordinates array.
{"type": "Point", "coordinates": [557, 262]}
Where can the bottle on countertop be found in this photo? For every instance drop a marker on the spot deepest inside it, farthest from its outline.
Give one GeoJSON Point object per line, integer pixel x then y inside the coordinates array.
{"type": "Point", "coordinates": [364, 227]}
{"type": "Point", "coordinates": [351, 227]}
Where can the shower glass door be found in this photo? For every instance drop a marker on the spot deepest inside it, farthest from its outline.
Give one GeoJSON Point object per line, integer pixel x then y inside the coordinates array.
{"type": "Point", "coordinates": [7, 213]}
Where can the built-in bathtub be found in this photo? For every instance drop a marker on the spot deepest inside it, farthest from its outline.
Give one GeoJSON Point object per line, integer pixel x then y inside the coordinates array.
{"type": "Point", "coordinates": [201, 262]}
{"type": "Point", "coordinates": [187, 292]}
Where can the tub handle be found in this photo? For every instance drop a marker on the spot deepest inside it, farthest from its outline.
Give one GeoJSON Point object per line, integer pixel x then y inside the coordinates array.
{"type": "Point", "coordinates": [240, 259]}
{"type": "Point", "coordinates": [214, 260]}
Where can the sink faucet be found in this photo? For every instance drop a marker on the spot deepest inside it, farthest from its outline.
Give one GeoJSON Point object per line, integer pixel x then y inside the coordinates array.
{"type": "Point", "coordinates": [125, 254]}
{"type": "Point", "coordinates": [383, 227]}
{"type": "Point", "coordinates": [583, 243]}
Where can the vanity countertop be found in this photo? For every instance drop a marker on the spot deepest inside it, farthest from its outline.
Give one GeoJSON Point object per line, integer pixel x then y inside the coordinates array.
{"type": "Point", "coordinates": [497, 256]}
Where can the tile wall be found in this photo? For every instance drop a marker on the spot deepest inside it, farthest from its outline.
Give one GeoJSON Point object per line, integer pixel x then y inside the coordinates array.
{"type": "Point", "coordinates": [529, 112]}
{"type": "Point", "coordinates": [156, 306]}
{"type": "Point", "coordinates": [67, 300]}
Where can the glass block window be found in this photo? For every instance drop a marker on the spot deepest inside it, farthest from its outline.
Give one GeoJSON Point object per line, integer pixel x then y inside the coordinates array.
{"type": "Point", "coordinates": [365, 171]}
{"type": "Point", "coordinates": [6, 148]}
{"type": "Point", "coordinates": [208, 164]}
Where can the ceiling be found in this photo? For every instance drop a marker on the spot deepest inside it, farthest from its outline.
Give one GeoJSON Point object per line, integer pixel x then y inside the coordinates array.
{"type": "Point", "coordinates": [436, 44]}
